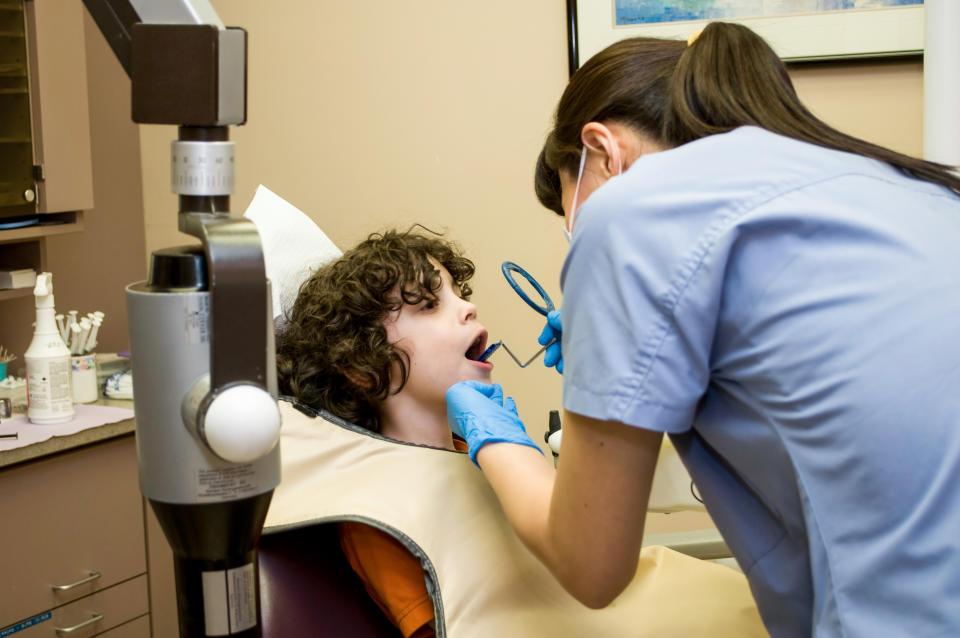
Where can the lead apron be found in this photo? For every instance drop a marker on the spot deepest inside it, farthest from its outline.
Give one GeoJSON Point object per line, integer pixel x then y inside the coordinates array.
{"type": "Point", "coordinates": [438, 504]}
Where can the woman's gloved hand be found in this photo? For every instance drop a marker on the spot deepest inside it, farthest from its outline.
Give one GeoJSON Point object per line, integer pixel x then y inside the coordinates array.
{"type": "Point", "coordinates": [553, 357]}
{"type": "Point", "coordinates": [479, 413]}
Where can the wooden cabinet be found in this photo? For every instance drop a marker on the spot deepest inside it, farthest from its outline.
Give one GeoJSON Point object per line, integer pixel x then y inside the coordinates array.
{"type": "Point", "coordinates": [45, 154]}
{"type": "Point", "coordinates": [60, 107]}
{"type": "Point", "coordinates": [90, 615]}
{"type": "Point", "coordinates": [73, 544]}
{"type": "Point", "coordinates": [17, 188]}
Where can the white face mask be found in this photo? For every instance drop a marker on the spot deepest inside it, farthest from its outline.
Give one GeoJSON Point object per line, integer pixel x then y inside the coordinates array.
{"type": "Point", "coordinates": [576, 191]}
{"type": "Point", "coordinates": [568, 232]}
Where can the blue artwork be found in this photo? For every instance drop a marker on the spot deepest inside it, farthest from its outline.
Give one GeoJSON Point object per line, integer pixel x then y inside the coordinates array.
{"type": "Point", "coordinates": [632, 12]}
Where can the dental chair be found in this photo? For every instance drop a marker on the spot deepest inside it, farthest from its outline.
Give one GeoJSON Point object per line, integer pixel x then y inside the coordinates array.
{"type": "Point", "coordinates": [307, 589]}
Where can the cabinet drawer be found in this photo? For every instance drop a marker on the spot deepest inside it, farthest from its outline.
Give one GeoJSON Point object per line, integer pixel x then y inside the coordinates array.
{"type": "Point", "coordinates": [66, 516]}
{"type": "Point", "coordinates": [139, 628]}
{"type": "Point", "coordinates": [105, 611]}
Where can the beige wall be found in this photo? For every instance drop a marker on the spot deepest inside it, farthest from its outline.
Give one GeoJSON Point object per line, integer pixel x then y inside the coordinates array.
{"type": "Point", "coordinates": [879, 101]}
{"type": "Point", "coordinates": [366, 115]}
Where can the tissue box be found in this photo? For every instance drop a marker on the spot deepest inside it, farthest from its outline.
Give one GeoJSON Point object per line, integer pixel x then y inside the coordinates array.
{"type": "Point", "coordinates": [17, 278]}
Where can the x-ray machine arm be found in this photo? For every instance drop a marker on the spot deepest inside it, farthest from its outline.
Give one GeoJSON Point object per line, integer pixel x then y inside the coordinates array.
{"type": "Point", "coordinates": [200, 326]}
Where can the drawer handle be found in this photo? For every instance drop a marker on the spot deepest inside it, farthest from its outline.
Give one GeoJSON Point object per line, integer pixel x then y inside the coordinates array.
{"type": "Point", "coordinates": [89, 579]}
{"type": "Point", "coordinates": [85, 623]}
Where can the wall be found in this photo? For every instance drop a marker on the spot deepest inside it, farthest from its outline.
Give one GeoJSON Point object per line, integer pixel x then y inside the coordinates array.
{"type": "Point", "coordinates": [375, 114]}
{"type": "Point", "coordinates": [880, 101]}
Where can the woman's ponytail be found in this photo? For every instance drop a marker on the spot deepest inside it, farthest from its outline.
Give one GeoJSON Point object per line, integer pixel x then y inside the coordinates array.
{"type": "Point", "coordinates": [677, 92]}
{"type": "Point", "coordinates": [729, 77]}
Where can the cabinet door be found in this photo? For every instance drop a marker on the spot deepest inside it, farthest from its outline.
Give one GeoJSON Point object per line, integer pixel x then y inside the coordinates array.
{"type": "Point", "coordinates": [16, 154]}
{"type": "Point", "coordinates": [58, 94]}
{"type": "Point", "coordinates": [65, 517]}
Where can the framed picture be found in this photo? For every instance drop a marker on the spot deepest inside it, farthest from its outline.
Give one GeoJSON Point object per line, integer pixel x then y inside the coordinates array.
{"type": "Point", "coordinates": [797, 30]}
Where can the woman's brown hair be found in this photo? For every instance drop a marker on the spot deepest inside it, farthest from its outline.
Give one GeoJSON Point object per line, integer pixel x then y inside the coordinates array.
{"type": "Point", "coordinates": [332, 349]}
{"type": "Point", "coordinates": [674, 94]}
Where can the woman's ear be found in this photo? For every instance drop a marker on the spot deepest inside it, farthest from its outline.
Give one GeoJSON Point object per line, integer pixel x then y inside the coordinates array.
{"type": "Point", "coordinates": [599, 138]}
{"type": "Point", "coordinates": [619, 144]}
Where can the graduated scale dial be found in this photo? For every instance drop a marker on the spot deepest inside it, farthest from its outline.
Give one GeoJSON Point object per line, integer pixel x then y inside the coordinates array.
{"type": "Point", "coordinates": [201, 168]}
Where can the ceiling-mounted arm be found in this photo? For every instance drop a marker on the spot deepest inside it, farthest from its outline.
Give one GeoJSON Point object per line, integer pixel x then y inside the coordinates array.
{"type": "Point", "coordinates": [115, 19]}
{"type": "Point", "coordinates": [186, 67]}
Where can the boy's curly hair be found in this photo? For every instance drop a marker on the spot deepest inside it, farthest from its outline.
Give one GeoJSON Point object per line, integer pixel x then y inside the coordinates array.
{"type": "Point", "coordinates": [332, 351]}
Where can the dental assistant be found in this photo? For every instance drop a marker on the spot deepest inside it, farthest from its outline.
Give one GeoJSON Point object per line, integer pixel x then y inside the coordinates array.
{"type": "Point", "coordinates": [781, 299]}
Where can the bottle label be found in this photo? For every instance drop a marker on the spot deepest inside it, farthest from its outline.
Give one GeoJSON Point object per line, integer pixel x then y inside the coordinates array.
{"type": "Point", "coordinates": [49, 389]}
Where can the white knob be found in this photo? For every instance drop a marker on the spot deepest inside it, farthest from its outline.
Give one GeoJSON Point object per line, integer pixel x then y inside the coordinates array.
{"type": "Point", "coordinates": [242, 423]}
{"type": "Point", "coordinates": [555, 440]}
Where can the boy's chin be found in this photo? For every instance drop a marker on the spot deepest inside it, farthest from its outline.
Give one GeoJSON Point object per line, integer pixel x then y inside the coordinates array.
{"type": "Point", "coordinates": [478, 374]}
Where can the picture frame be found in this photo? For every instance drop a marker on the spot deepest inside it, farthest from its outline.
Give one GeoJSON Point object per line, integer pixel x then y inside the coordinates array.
{"type": "Point", "coordinates": [796, 37]}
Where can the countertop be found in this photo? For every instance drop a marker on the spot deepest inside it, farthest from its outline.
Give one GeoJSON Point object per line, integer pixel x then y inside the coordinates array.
{"type": "Point", "coordinates": [71, 441]}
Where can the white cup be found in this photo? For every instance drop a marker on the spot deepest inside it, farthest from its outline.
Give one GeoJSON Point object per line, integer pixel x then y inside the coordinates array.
{"type": "Point", "coordinates": [85, 386]}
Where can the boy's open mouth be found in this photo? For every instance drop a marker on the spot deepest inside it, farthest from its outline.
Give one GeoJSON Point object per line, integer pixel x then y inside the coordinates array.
{"type": "Point", "coordinates": [477, 348]}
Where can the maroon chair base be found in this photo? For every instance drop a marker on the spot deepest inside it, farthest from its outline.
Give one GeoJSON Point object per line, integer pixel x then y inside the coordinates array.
{"type": "Point", "coordinates": [307, 589]}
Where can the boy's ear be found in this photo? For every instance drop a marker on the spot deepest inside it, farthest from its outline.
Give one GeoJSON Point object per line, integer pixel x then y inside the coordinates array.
{"type": "Point", "coordinates": [359, 380]}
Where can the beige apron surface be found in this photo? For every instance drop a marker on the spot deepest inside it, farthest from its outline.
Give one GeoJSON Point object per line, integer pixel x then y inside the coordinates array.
{"type": "Point", "coordinates": [490, 584]}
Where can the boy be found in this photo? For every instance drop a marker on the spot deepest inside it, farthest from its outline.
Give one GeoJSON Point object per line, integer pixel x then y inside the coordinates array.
{"type": "Point", "coordinates": [376, 338]}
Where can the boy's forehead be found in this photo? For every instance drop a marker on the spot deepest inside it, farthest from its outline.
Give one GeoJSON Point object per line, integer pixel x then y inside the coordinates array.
{"type": "Point", "coordinates": [446, 281]}
{"type": "Point", "coordinates": [447, 277]}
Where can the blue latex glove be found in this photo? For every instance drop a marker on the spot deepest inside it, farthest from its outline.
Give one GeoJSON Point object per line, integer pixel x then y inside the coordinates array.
{"type": "Point", "coordinates": [479, 413]}
{"type": "Point", "coordinates": [553, 357]}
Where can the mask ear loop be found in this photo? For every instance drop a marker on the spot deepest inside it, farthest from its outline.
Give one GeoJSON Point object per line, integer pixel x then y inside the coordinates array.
{"type": "Point", "coordinates": [576, 191]}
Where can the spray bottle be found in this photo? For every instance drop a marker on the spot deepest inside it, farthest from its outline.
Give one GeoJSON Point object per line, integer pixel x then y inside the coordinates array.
{"type": "Point", "coordinates": [49, 380]}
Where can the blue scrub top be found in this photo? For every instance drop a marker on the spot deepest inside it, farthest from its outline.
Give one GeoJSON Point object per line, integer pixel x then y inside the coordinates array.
{"type": "Point", "coordinates": [790, 315]}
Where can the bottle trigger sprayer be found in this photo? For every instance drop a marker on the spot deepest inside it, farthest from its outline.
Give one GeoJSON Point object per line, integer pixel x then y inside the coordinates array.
{"type": "Point", "coordinates": [49, 379]}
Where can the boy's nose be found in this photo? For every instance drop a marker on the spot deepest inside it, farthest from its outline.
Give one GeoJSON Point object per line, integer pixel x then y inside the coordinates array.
{"type": "Point", "coordinates": [469, 311]}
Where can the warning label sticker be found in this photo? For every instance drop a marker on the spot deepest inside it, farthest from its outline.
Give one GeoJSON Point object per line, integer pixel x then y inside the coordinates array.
{"type": "Point", "coordinates": [229, 601]}
{"type": "Point", "coordinates": [226, 484]}
{"type": "Point", "coordinates": [196, 318]}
